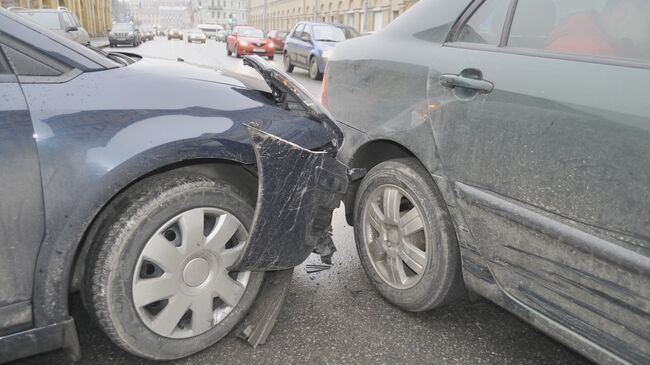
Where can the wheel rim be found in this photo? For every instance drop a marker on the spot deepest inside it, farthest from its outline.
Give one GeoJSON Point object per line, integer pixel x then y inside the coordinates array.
{"type": "Point", "coordinates": [181, 285]}
{"type": "Point", "coordinates": [313, 69]}
{"type": "Point", "coordinates": [394, 236]}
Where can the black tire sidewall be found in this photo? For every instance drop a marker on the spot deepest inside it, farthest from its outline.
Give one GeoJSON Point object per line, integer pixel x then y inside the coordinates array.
{"type": "Point", "coordinates": [145, 218]}
{"type": "Point", "coordinates": [443, 257]}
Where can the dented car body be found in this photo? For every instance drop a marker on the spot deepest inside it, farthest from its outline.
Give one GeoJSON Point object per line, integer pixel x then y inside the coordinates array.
{"type": "Point", "coordinates": [68, 148]}
{"type": "Point", "coordinates": [543, 162]}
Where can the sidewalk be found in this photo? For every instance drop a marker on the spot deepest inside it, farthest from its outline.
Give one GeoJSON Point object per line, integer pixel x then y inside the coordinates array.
{"type": "Point", "coordinates": [99, 42]}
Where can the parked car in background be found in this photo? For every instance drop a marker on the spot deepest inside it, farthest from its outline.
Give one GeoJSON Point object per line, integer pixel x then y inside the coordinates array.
{"type": "Point", "coordinates": [210, 30]}
{"type": "Point", "coordinates": [310, 44]}
{"type": "Point", "coordinates": [196, 34]}
{"type": "Point", "coordinates": [174, 34]}
{"type": "Point", "coordinates": [221, 35]}
{"type": "Point", "coordinates": [278, 37]}
{"type": "Point", "coordinates": [123, 33]}
{"type": "Point", "coordinates": [249, 41]}
{"type": "Point", "coordinates": [145, 204]}
{"type": "Point", "coordinates": [504, 157]}
{"type": "Point", "coordinates": [60, 21]}
{"type": "Point", "coordinates": [148, 34]}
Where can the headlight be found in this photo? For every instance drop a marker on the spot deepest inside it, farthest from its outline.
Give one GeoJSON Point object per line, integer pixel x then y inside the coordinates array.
{"type": "Point", "coordinates": [326, 53]}
{"type": "Point", "coordinates": [243, 43]}
{"type": "Point", "coordinates": [272, 45]}
{"type": "Point", "coordinates": [130, 34]}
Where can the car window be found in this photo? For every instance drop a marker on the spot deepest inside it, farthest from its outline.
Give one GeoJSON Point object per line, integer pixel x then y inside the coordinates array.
{"type": "Point", "coordinates": [122, 27]}
{"type": "Point", "coordinates": [297, 33]}
{"type": "Point", "coordinates": [329, 33]}
{"type": "Point", "coordinates": [609, 28]}
{"type": "Point", "coordinates": [74, 19]}
{"type": "Point", "coordinates": [46, 19]}
{"type": "Point", "coordinates": [281, 34]}
{"type": "Point", "coordinates": [24, 65]}
{"type": "Point", "coordinates": [307, 30]}
{"type": "Point", "coordinates": [250, 32]}
{"type": "Point", "coordinates": [486, 24]}
{"type": "Point", "coordinates": [66, 20]}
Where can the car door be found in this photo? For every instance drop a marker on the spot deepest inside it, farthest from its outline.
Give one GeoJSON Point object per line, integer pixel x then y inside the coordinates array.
{"type": "Point", "coordinates": [550, 152]}
{"type": "Point", "coordinates": [305, 45]}
{"type": "Point", "coordinates": [292, 45]}
{"type": "Point", "coordinates": [21, 202]}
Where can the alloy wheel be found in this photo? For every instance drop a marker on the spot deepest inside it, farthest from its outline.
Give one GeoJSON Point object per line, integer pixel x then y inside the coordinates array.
{"type": "Point", "coordinates": [394, 236]}
{"type": "Point", "coordinates": [181, 284]}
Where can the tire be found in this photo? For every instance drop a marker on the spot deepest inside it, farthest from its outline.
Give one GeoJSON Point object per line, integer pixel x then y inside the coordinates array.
{"type": "Point", "coordinates": [314, 72]}
{"type": "Point", "coordinates": [135, 43]}
{"type": "Point", "coordinates": [114, 266]}
{"type": "Point", "coordinates": [271, 58]}
{"type": "Point", "coordinates": [288, 67]}
{"type": "Point", "coordinates": [381, 251]}
{"type": "Point", "coordinates": [228, 51]}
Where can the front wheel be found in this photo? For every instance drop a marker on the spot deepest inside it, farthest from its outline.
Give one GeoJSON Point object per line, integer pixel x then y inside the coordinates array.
{"type": "Point", "coordinates": [314, 72]}
{"type": "Point", "coordinates": [157, 279]}
{"type": "Point", "coordinates": [288, 67]}
{"type": "Point", "coordinates": [405, 238]}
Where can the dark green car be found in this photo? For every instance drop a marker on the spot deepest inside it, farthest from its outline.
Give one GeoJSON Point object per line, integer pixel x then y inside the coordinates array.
{"type": "Point", "coordinates": [507, 150]}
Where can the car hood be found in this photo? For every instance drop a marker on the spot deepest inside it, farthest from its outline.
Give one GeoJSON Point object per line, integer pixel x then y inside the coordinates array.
{"type": "Point", "coordinates": [185, 89]}
{"type": "Point", "coordinates": [324, 46]}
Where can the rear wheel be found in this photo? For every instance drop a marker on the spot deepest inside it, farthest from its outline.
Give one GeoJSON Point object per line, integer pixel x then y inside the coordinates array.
{"type": "Point", "coordinates": [157, 278]}
{"type": "Point", "coordinates": [314, 72]}
{"type": "Point", "coordinates": [228, 51]}
{"type": "Point", "coordinates": [405, 238]}
{"type": "Point", "coordinates": [288, 67]}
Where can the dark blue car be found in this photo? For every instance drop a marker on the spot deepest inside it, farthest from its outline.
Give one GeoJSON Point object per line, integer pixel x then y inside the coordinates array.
{"type": "Point", "coordinates": [309, 45]}
{"type": "Point", "coordinates": [166, 211]}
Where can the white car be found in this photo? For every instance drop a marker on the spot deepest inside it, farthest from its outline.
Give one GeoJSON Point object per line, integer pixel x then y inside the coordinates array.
{"type": "Point", "coordinates": [60, 20]}
{"type": "Point", "coordinates": [196, 35]}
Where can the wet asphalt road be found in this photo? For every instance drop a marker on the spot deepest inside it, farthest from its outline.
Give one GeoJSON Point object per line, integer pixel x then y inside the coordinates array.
{"type": "Point", "coordinates": [335, 316]}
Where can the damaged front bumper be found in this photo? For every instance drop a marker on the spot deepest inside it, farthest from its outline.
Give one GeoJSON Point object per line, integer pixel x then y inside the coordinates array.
{"type": "Point", "coordinates": [298, 188]}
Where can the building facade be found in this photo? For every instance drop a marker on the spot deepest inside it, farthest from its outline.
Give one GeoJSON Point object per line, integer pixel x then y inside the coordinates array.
{"type": "Point", "coordinates": [223, 12]}
{"type": "Point", "coordinates": [94, 15]}
{"type": "Point", "coordinates": [160, 13]}
{"type": "Point", "coordinates": [363, 15]}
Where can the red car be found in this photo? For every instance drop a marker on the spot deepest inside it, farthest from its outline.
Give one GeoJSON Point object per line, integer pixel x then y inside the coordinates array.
{"type": "Point", "coordinates": [278, 37]}
{"type": "Point", "coordinates": [249, 40]}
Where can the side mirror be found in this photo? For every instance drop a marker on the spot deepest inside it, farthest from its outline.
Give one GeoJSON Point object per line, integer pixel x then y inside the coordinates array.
{"type": "Point", "coordinates": [306, 37]}
{"type": "Point", "coordinates": [71, 29]}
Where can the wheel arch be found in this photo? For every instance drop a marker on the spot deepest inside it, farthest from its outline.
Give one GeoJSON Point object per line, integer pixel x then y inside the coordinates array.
{"type": "Point", "coordinates": [366, 157]}
{"type": "Point", "coordinates": [58, 267]}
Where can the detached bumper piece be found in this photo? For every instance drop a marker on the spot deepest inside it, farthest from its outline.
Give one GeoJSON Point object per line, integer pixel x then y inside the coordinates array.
{"type": "Point", "coordinates": [298, 192]}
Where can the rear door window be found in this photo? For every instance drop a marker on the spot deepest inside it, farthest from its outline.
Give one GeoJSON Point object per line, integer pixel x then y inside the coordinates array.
{"type": "Point", "coordinates": [486, 24]}
{"type": "Point", "coordinates": [608, 28]}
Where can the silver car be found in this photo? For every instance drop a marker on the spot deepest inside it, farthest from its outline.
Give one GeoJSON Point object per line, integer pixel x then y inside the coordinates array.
{"type": "Point", "coordinates": [60, 20]}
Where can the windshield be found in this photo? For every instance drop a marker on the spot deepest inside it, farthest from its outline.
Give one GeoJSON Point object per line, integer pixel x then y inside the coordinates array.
{"type": "Point", "coordinates": [330, 33]}
{"type": "Point", "coordinates": [250, 32]}
{"type": "Point", "coordinates": [48, 20]}
{"type": "Point", "coordinates": [196, 30]}
{"type": "Point", "coordinates": [122, 27]}
{"type": "Point", "coordinates": [282, 34]}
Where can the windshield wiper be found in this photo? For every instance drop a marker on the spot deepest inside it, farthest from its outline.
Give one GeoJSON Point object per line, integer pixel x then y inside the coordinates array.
{"type": "Point", "coordinates": [326, 40]}
{"type": "Point", "coordinates": [110, 56]}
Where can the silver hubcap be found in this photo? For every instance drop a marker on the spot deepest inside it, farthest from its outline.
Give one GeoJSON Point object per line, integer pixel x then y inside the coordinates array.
{"type": "Point", "coordinates": [313, 69]}
{"type": "Point", "coordinates": [394, 236]}
{"type": "Point", "coordinates": [181, 285]}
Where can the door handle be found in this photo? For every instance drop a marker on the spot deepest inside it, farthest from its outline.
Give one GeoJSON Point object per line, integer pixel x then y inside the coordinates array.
{"type": "Point", "coordinates": [469, 79]}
